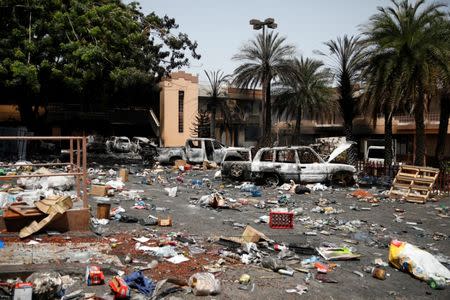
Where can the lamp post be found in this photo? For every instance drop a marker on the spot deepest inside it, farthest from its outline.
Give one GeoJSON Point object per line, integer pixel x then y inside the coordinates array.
{"type": "Point", "coordinates": [257, 25]}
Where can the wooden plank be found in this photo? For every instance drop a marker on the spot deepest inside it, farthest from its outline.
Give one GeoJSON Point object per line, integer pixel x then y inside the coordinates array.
{"type": "Point", "coordinates": [25, 211]}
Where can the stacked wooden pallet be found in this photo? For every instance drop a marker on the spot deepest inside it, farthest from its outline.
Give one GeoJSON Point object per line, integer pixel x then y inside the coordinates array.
{"type": "Point", "coordinates": [413, 183]}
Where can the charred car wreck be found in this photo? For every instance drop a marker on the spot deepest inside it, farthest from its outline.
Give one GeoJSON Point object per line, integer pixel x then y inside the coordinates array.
{"type": "Point", "coordinates": [196, 150]}
{"type": "Point", "coordinates": [273, 166]}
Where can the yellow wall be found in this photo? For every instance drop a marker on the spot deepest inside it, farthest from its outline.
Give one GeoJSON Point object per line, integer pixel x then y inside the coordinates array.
{"type": "Point", "coordinates": [9, 113]}
{"type": "Point", "coordinates": [179, 81]}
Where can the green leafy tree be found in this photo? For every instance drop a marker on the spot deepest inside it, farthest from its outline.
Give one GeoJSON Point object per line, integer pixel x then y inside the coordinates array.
{"type": "Point", "coordinates": [201, 125]}
{"type": "Point", "coordinates": [410, 45]}
{"type": "Point", "coordinates": [347, 60]}
{"type": "Point", "coordinates": [86, 51]}
{"type": "Point", "coordinates": [305, 90]}
{"type": "Point", "coordinates": [263, 60]}
{"type": "Point", "coordinates": [217, 81]}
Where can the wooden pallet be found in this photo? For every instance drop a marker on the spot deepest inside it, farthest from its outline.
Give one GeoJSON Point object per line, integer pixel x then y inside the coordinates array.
{"type": "Point", "coordinates": [413, 183]}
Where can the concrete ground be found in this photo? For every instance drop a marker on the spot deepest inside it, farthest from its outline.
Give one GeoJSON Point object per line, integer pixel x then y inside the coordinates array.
{"type": "Point", "coordinates": [367, 231]}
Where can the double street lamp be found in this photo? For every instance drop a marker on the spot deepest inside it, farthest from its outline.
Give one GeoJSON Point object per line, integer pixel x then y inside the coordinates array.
{"type": "Point", "coordinates": [257, 24]}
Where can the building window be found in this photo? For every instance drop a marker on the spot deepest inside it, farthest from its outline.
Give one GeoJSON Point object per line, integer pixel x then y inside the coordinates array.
{"type": "Point", "coordinates": [180, 111]}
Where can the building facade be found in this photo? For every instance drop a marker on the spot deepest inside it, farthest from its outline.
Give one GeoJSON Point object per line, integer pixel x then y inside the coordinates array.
{"type": "Point", "coordinates": [178, 108]}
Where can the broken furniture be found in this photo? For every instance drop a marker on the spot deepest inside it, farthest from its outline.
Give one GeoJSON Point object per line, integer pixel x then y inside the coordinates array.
{"type": "Point", "coordinates": [54, 214]}
{"type": "Point", "coordinates": [414, 183]}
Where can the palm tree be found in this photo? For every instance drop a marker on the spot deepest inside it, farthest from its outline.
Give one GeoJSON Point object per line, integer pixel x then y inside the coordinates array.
{"type": "Point", "coordinates": [263, 60]}
{"type": "Point", "coordinates": [217, 80]}
{"type": "Point", "coordinates": [443, 124]}
{"type": "Point", "coordinates": [379, 97]}
{"type": "Point", "coordinates": [444, 106]}
{"type": "Point", "coordinates": [306, 89]}
{"type": "Point", "coordinates": [347, 59]}
{"type": "Point", "coordinates": [413, 44]}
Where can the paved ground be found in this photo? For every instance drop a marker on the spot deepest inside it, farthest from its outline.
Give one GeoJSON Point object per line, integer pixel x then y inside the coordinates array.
{"type": "Point", "coordinates": [367, 231]}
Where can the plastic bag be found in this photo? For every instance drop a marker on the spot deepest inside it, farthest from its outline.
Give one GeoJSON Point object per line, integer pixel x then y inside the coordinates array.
{"type": "Point", "coordinates": [204, 284]}
{"type": "Point", "coordinates": [419, 263]}
{"type": "Point", "coordinates": [172, 192]}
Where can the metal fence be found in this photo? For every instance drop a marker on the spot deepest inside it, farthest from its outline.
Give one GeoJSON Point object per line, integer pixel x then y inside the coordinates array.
{"type": "Point", "coordinates": [379, 170]}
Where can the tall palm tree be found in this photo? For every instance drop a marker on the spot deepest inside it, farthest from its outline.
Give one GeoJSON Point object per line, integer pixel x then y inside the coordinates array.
{"type": "Point", "coordinates": [263, 60]}
{"type": "Point", "coordinates": [347, 57]}
{"type": "Point", "coordinates": [305, 90]}
{"type": "Point", "coordinates": [378, 97]}
{"type": "Point", "coordinates": [443, 125]}
{"type": "Point", "coordinates": [217, 81]}
{"type": "Point", "coordinates": [412, 41]}
{"type": "Point", "coordinates": [444, 106]}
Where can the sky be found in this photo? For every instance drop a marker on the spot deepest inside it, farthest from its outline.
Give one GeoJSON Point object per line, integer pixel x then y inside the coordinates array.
{"type": "Point", "coordinates": [222, 27]}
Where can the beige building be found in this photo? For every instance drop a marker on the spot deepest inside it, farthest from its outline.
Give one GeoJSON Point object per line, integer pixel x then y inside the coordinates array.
{"type": "Point", "coordinates": [178, 108]}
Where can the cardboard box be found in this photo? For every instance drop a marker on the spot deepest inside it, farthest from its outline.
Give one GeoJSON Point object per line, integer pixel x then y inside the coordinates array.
{"type": "Point", "coordinates": [251, 235]}
{"type": "Point", "coordinates": [123, 174]}
{"type": "Point", "coordinates": [165, 221]}
{"type": "Point", "coordinates": [99, 190]}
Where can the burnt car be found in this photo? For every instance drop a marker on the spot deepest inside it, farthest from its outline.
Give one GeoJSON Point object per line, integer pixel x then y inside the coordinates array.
{"type": "Point", "coordinates": [237, 163]}
{"type": "Point", "coordinates": [300, 164]}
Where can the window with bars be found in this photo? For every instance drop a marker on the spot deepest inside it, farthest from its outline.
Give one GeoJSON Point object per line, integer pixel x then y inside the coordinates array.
{"type": "Point", "coordinates": [180, 111]}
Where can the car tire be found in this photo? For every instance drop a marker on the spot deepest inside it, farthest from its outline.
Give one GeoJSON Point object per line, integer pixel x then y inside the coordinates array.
{"type": "Point", "coordinates": [172, 160]}
{"type": "Point", "coordinates": [236, 171]}
{"type": "Point", "coordinates": [343, 179]}
{"type": "Point", "coordinates": [271, 180]}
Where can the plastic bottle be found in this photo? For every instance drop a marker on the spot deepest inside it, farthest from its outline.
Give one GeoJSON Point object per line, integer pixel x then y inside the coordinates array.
{"type": "Point", "coordinates": [437, 283]}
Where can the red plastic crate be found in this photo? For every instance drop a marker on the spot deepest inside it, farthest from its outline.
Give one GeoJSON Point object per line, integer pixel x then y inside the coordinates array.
{"type": "Point", "coordinates": [281, 220]}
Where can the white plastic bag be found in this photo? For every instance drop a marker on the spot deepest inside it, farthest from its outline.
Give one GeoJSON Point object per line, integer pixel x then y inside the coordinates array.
{"type": "Point", "coordinates": [204, 284]}
{"type": "Point", "coordinates": [418, 262]}
{"type": "Point", "coordinates": [171, 191]}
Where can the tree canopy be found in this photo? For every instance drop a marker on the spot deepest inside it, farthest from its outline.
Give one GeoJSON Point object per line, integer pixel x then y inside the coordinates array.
{"type": "Point", "coordinates": [90, 52]}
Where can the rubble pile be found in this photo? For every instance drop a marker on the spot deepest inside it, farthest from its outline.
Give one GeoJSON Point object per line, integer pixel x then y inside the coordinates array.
{"type": "Point", "coordinates": [183, 229]}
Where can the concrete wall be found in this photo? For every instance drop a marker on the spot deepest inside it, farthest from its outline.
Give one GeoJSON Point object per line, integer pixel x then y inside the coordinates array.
{"type": "Point", "coordinates": [178, 81]}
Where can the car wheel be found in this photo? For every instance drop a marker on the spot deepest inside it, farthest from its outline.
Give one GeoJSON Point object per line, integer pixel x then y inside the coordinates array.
{"type": "Point", "coordinates": [236, 171]}
{"type": "Point", "coordinates": [172, 160]}
{"type": "Point", "coordinates": [343, 179]}
{"type": "Point", "coordinates": [271, 180]}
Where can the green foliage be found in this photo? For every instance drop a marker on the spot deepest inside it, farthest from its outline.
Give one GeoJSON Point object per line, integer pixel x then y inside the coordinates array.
{"type": "Point", "coordinates": [264, 59]}
{"type": "Point", "coordinates": [87, 51]}
{"type": "Point", "coordinates": [201, 125]}
{"type": "Point", "coordinates": [408, 54]}
{"type": "Point", "coordinates": [307, 88]}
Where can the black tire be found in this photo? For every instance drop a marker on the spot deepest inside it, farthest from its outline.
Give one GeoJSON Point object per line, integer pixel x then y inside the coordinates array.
{"type": "Point", "coordinates": [343, 178]}
{"type": "Point", "coordinates": [271, 180]}
{"type": "Point", "coordinates": [173, 159]}
{"type": "Point", "coordinates": [236, 171]}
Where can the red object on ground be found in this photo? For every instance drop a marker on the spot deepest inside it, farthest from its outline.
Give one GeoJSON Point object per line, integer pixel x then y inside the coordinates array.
{"type": "Point", "coordinates": [94, 276]}
{"type": "Point", "coordinates": [362, 194]}
{"type": "Point", "coordinates": [120, 288]}
{"type": "Point", "coordinates": [281, 220]}
{"type": "Point", "coordinates": [321, 268]}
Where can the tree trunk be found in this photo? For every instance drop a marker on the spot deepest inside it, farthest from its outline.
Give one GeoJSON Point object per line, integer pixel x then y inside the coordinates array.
{"type": "Point", "coordinates": [298, 121]}
{"type": "Point", "coordinates": [212, 122]}
{"type": "Point", "coordinates": [27, 116]}
{"type": "Point", "coordinates": [262, 113]}
{"type": "Point", "coordinates": [388, 138]}
{"type": "Point", "coordinates": [442, 133]}
{"type": "Point", "coordinates": [420, 129]}
{"type": "Point", "coordinates": [268, 115]}
{"type": "Point", "coordinates": [352, 155]}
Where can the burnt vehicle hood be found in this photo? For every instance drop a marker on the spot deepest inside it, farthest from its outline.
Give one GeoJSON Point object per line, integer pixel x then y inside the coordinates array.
{"type": "Point", "coordinates": [341, 148]}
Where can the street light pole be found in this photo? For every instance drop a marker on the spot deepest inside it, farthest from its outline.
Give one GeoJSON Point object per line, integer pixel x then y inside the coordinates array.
{"type": "Point", "coordinates": [257, 25]}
